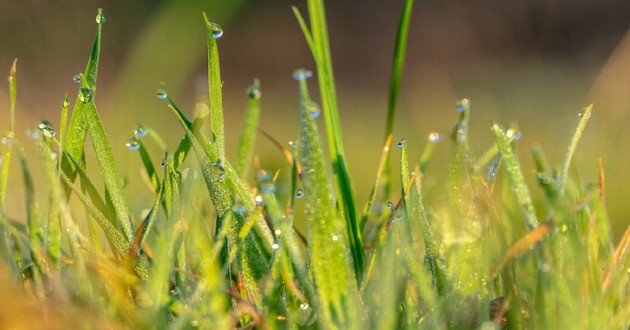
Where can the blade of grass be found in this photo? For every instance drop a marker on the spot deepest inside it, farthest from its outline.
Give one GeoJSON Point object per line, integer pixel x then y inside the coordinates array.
{"type": "Point", "coordinates": [77, 129]}
{"type": "Point", "coordinates": [338, 301]}
{"type": "Point", "coordinates": [247, 140]}
{"type": "Point", "coordinates": [320, 48]}
{"type": "Point", "coordinates": [215, 103]}
{"type": "Point", "coordinates": [7, 140]}
{"type": "Point", "coordinates": [585, 114]}
{"type": "Point", "coordinates": [367, 209]}
{"type": "Point", "coordinates": [516, 177]}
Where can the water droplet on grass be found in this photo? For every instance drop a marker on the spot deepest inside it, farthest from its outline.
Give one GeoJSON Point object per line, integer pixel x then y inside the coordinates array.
{"type": "Point", "coordinates": [462, 105]}
{"type": "Point", "coordinates": [7, 140]}
{"type": "Point", "coordinates": [292, 144]}
{"type": "Point", "coordinates": [260, 201]}
{"type": "Point", "coordinates": [85, 94]}
{"type": "Point", "coordinates": [335, 237]}
{"type": "Point", "coordinates": [400, 143]}
{"type": "Point", "coordinates": [299, 193]}
{"type": "Point", "coordinates": [314, 110]}
{"type": "Point", "coordinates": [46, 128]}
{"type": "Point", "coordinates": [301, 74]}
{"type": "Point", "coordinates": [32, 133]}
{"type": "Point", "coordinates": [253, 92]}
{"type": "Point", "coordinates": [239, 207]}
{"type": "Point", "coordinates": [275, 246]}
{"type": "Point", "coordinates": [216, 29]}
{"type": "Point", "coordinates": [100, 18]}
{"type": "Point", "coordinates": [304, 306]}
{"type": "Point", "coordinates": [161, 93]}
{"type": "Point", "coordinates": [133, 144]}
{"type": "Point", "coordinates": [435, 137]}
{"type": "Point", "coordinates": [220, 169]}
{"type": "Point", "coordinates": [77, 78]}
{"type": "Point", "coordinates": [389, 205]}
{"type": "Point", "coordinates": [139, 130]}
{"type": "Point", "coordinates": [278, 232]}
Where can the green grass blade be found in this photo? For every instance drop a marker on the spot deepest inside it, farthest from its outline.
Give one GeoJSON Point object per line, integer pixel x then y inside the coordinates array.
{"type": "Point", "coordinates": [332, 272]}
{"type": "Point", "coordinates": [53, 229]}
{"type": "Point", "coordinates": [109, 171]}
{"type": "Point", "coordinates": [458, 167]}
{"type": "Point", "coordinates": [7, 140]}
{"type": "Point", "coordinates": [148, 166]}
{"type": "Point", "coordinates": [321, 53]}
{"type": "Point", "coordinates": [397, 65]}
{"type": "Point", "coordinates": [367, 209]}
{"type": "Point", "coordinates": [516, 177]}
{"type": "Point", "coordinates": [585, 114]}
{"type": "Point", "coordinates": [245, 147]}
{"type": "Point", "coordinates": [63, 129]}
{"type": "Point", "coordinates": [215, 84]}
{"type": "Point", "coordinates": [77, 129]}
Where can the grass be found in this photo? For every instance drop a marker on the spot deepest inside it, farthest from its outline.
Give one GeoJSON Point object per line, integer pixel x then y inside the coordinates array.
{"type": "Point", "coordinates": [218, 248]}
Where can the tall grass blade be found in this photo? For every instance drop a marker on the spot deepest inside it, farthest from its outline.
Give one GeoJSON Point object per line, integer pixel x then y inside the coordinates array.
{"type": "Point", "coordinates": [585, 114]}
{"type": "Point", "coordinates": [247, 140]}
{"type": "Point", "coordinates": [215, 103]}
{"type": "Point", "coordinates": [8, 139]}
{"type": "Point", "coordinates": [338, 304]}
{"type": "Point", "coordinates": [516, 177]}
{"type": "Point", "coordinates": [77, 129]}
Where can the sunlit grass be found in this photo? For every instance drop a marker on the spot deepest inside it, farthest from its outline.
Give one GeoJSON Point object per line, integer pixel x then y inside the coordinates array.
{"type": "Point", "coordinates": [217, 247]}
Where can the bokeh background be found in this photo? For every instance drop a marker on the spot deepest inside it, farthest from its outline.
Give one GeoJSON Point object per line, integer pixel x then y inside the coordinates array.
{"type": "Point", "coordinates": [535, 63]}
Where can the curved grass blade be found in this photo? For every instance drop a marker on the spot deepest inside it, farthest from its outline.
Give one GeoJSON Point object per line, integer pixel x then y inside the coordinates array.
{"type": "Point", "coordinates": [516, 177]}
{"type": "Point", "coordinates": [114, 192]}
{"type": "Point", "coordinates": [585, 114]}
{"type": "Point", "coordinates": [247, 140]}
{"type": "Point", "coordinates": [148, 166]}
{"type": "Point", "coordinates": [458, 165]}
{"type": "Point", "coordinates": [7, 140]}
{"type": "Point", "coordinates": [332, 272]}
{"type": "Point", "coordinates": [215, 84]}
{"type": "Point", "coordinates": [77, 129]}
{"type": "Point", "coordinates": [367, 209]}
{"type": "Point", "coordinates": [319, 44]}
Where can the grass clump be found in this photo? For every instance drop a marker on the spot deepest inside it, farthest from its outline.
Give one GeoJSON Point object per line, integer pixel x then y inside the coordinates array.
{"type": "Point", "coordinates": [482, 257]}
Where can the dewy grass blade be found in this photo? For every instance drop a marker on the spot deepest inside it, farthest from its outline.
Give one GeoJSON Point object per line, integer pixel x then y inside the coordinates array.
{"type": "Point", "coordinates": [321, 53]}
{"type": "Point", "coordinates": [585, 114]}
{"type": "Point", "coordinates": [148, 166]}
{"type": "Point", "coordinates": [109, 171]}
{"type": "Point", "coordinates": [77, 130]}
{"type": "Point", "coordinates": [458, 165]}
{"type": "Point", "coordinates": [8, 139]}
{"type": "Point", "coordinates": [338, 300]}
{"type": "Point", "coordinates": [367, 209]}
{"type": "Point", "coordinates": [516, 177]}
{"type": "Point", "coordinates": [215, 85]}
{"type": "Point", "coordinates": [247, 140]}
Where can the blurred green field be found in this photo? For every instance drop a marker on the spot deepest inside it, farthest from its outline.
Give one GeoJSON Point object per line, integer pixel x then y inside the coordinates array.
{"type": "Point", "coordinates": [533, 65]}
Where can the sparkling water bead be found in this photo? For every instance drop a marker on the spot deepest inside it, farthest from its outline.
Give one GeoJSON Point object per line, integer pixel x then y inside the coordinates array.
{"type": "Point", "coordinates": [33, 133]}
{"type": "Point", "coordinates": [161, 93]}
{"type": "Point", "coordinates": [253, 92]}
{"type": "Point", "coordinates": [85, 94]}
{"type": "Point", "coordinates": [46, 128]}
{"type": "Point", "coordinates": [462, 105]}
{"type": "Point", "coordinates": [300, 74]}
{"type": "Point", "coordinates": [133, 144]}
{"type": "Point", "coordinates": [77, 78]}
{"type": "Point", "coordinates": [435, 137]}
{"type": "Point", "coordinates": [100, 17]}
{"type": "Point", "coordinates": [299, 193]}
{"type": "Point", "coordinates": [216, 29]}
{"type": "Point", "coordinates": [220, 169]}
{"type": "Point", "coordinates": [314, 110]}
{"type": "Point", "coordinates": [139, 130]}
{"type": "Point", "coordinates": [400, 143]}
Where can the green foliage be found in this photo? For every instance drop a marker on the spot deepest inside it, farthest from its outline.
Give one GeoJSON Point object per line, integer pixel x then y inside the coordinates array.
{"type": "Point", "coordinates": [232, 258]}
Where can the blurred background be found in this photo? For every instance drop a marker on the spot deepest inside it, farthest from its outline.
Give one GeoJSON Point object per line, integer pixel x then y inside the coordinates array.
{"type": "Point", "coordinates": [533, 63]}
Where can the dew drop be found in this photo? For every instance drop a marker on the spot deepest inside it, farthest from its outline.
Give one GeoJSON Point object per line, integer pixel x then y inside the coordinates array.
{"type": "Point", "coordinates": [462, 105]}
{"type": "Point", "coordinates": [435, 137]}
{"type": "Point", "coordinates": [139, 130]}
{"type": "Point", "coordinates": [260, 201]}
{"type": "Point", "coordinates": [267, 187]}
{"type": "Point", "coordinates": [275, 246]}
{"type": "Point", "coordinates": [335, 237]}
{"type": "Point", "coordinates": [314, 110]}
{"type": "Point", "coordinates": [304, 306]}
{"type": "Point", "coordinates": [133, 144]}
{"type": "Point", "coordinates": [301, 74]}
{"type": "Point", "coordinates": [32, 133]}
{"type": "Point", "coordinates": [239, 207]}
{"type": "Point", "coordinates": [7, 140]}
{"type": "Point", "coordinates": [85, 94]}
{"type": "Point", "coordinates": [299, 193]}
{"type": "Point", "coordinates": [262, 175]}
{"type": "Point", "coordinates": [216, 30]}
{"type": "Point", "coordinates": [100, 18]}
{"type": "Point", "coordinates": [400, 143]}
{"type": "Point", "coordinates": [46, 128]}
{"type": "Point", "coordinates": [161, 93]}
{"type": "Point", "coordinates": [253, 92]}
{"type": "Point", "coordinates": [220, 169]}
{"type": "Point", "coordinates": [389, 205]}
{"type": "Point", "coordinates": [278, 232]}
{"type": "Point", "coordinates": [66, 103]}
{"type": "Point", "coordinates": [292, 144]}
{"type": "Point", "coordinates": [77, 78]}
